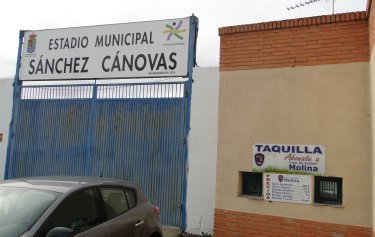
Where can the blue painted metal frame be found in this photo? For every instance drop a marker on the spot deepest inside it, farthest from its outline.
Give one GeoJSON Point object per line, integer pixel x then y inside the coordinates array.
{"type": "Point", "coordinates": [90, 130]}
{"type": "Point", "coordinates": [194, 23]}
{"type": "Point", "coordinates": [16, 94]}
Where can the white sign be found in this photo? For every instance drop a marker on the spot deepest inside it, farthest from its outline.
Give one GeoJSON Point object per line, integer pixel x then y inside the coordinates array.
{"type": "Point", "coordinates": [142, 49]}
{"type": "Point", "coordinates": [289, 158]}
{"type": "Point", "coordinates": [287, 188]}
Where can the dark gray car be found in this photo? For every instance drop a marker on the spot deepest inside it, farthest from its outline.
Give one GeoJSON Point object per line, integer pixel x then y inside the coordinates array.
{"type": "Point", "coordinates": [75, 206]}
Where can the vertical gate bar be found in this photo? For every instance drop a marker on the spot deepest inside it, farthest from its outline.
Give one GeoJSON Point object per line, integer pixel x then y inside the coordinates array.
{"type": "Point", "coordinates": [90, 127]}
{"type": "Point", "coordinates": [192, 56]}
{"type": "Point", "coordinates": [16, 98]}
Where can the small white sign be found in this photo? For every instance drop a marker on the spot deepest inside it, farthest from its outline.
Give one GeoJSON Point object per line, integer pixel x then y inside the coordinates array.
{"type": "Point", "coordinates": [287, 188]}
{"type": "Point", "coordinates": [289, 158]}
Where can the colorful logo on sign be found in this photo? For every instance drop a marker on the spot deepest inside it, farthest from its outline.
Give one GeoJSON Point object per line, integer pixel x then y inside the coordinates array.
{"type": "Point", "coordinates": [175, 30]}
{"type": "Point", "coordinates": [281, 178]}
{"type": "Point", "coordinates": [31, 43]}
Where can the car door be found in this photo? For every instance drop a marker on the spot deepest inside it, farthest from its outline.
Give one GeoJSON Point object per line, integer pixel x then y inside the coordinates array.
{"type": "Point", "coordinates": [120, 208]}
{"type": "Point", "coordinates": [78, 212]}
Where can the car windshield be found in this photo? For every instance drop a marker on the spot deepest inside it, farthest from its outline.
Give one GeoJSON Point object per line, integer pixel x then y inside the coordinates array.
{"type": "Point", "coordinates": [20, 208]}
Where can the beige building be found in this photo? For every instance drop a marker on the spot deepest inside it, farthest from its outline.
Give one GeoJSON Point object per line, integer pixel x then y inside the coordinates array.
{"type": "Point", "coordinates": [296, 136]}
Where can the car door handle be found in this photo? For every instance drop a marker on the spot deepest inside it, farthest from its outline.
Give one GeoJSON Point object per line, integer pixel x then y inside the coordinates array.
{"type": "Point", "coordinates": [139, 223]}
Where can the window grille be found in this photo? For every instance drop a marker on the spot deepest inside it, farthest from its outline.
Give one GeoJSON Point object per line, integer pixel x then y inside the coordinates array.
{"type": "Point", "coordinates": [252, 183]}
{"type": "Point", "coordinates": [328, 190]}
{"type": "Point", "coordinates": [112, 91]}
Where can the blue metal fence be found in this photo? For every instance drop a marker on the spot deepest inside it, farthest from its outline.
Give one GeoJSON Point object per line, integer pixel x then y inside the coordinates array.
{"type": "Point", "coordinates": [135, 132]}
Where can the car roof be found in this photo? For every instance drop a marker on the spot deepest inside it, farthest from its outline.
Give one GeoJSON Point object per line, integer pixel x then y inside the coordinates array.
{"type": "Point", "coordinates": [63, 184]}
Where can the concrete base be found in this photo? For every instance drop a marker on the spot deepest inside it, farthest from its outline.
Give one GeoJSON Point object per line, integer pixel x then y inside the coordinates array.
{"type": "Point", "coordinates": [171, 231]}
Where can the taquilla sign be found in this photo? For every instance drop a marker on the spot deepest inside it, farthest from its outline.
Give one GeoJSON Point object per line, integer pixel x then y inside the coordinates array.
{"type": "Point", "coordinates": [289, 158]}
{"type": "Point", "coordinates": [131, 50]}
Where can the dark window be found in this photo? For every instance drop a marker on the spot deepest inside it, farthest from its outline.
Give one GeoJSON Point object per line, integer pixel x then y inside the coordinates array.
{"type": "Point", "coordinates": [78, 212]}
{"type": "Point", "coordinates": [328, 190]}
{"type": "Point", "coordinates": [117, 200]}
{"type": "Point", "coordinates": [251, 184]}
{"type": "Point", "coordinates": [131, 197]}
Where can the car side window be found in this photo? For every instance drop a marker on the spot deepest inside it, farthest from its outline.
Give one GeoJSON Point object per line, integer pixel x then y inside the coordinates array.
{"type": "Point", "coordinates": [131, 197]}
{"type": "Point", "coordinates": [117, 200]}
{"type": "Point", "coordinates": [78, 212]}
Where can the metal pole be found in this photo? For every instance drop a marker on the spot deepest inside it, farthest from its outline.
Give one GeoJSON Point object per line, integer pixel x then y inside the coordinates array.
{"type": "Point", "coordinates": [90, 132]}
{"type": "Point", "coordinates": [16, 97]}
{"type": "Point", "coordinates": [193, 33]}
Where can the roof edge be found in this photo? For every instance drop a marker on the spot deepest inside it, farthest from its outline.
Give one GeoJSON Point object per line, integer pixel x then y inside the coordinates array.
{"type": "Point", "coordinates": [298, 22]}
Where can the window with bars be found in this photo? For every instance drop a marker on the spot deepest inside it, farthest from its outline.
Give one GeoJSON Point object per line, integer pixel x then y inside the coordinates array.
{"type": "Point", "coordinates": [328, 190]}
{"type": "Point", "coordinates": [251, 184]}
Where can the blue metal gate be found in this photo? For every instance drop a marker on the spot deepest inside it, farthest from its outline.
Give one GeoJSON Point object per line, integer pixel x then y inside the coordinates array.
{"type": "Point", "coordinates": [130, 131]}
{"type": "Point", "coordinates": [133, 132]}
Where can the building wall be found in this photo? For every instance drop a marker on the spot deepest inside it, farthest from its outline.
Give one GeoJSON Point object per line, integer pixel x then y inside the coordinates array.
{"type": "Point", "coordinates": [371, 18]}
{"type": "Point", "coordinates": [244, 224]}
{"type": "Point", "coordinates": [203, 151]}
{"type": "Point", "coordinates": [303, 81]}
{"type": "Point", "coordinates": [341, 38]}
{"type": "Point", "coordinates": [6, 97]}
{"type": "Point", "coordinates": [325, 105]}
{"type": "Point", "coordinates": [372, 89]}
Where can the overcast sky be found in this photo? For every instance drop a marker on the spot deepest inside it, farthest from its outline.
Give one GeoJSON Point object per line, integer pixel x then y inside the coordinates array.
{"type": "Point", "coordinates": [212, 14]}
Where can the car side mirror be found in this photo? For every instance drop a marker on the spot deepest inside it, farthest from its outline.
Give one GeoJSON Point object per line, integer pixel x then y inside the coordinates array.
{"type": "Point", "coordinates": [60, 232]}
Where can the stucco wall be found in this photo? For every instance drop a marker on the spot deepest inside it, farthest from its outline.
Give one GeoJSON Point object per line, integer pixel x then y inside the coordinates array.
{"type": "Point", "coordinates": [323, 105]}
{"type": "Point", "coordinates": [6, 98]}
{"type": "Point", "coordinates": [371, 23]}
{"type": "Point", "coordinates": [372, 88]}
{"type": "Point", "coordinates": [203, 151]}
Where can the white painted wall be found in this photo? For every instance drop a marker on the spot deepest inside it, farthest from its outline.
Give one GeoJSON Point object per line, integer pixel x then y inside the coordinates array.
{"type": "Point", "coordinates": [203, 151]}
{"type": "Point", "coordinates": [6, 98]}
